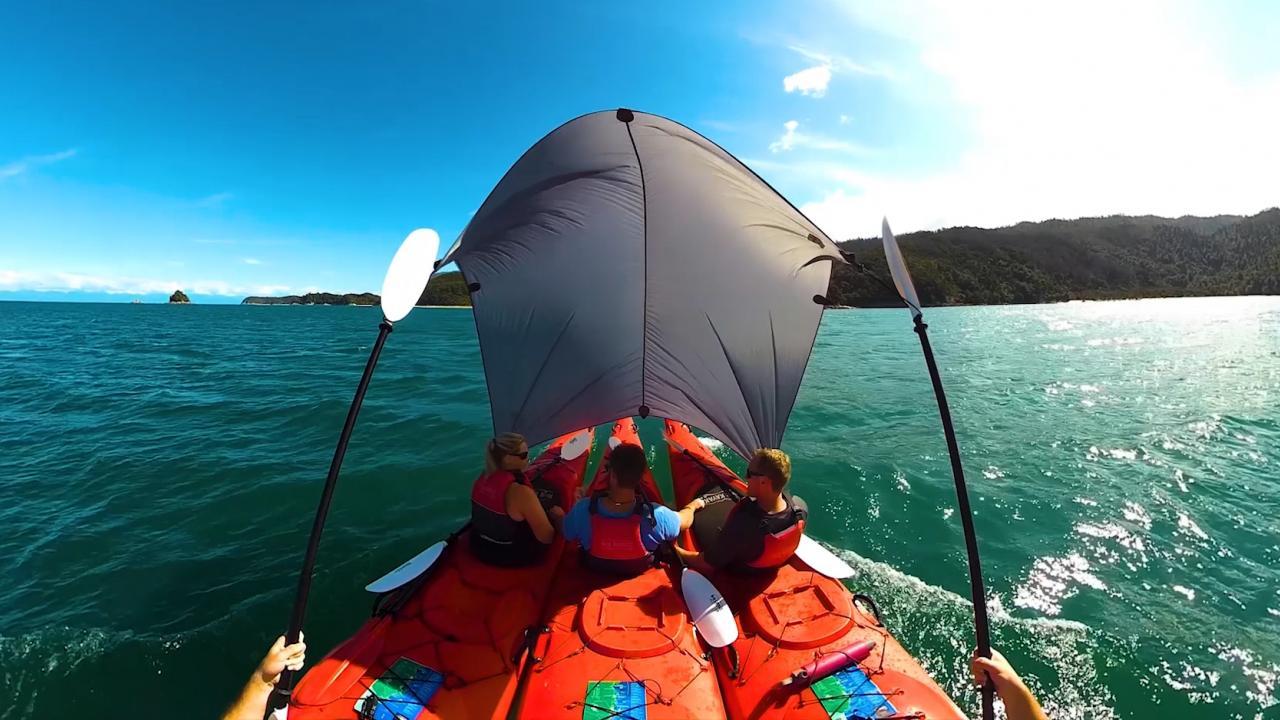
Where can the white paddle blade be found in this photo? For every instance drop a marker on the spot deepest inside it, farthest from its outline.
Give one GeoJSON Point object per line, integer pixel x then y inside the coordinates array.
{"type": "Point", "coordinates": [672, 442]}
{"type": "Point", "coordinates": [711, 614]}
{"type": "Point", "coordinates": [898, 269]}
{"type": "Point", "coordinates": [575, 446]}
{"type": "Point", "coordinates": [408, 273]}
{"type": "Point", "coordinates": [411, 569]}
{"type": "Point", "coordinates": [822, 560]}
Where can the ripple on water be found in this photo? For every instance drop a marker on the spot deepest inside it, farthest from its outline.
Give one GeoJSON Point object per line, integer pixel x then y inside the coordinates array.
{"type": "Point", "coordinates": [155, 484]}
{"type": "Point", "coordinates": [936, 625]}
{"type": "Point", "coordinates": [1054, 579]}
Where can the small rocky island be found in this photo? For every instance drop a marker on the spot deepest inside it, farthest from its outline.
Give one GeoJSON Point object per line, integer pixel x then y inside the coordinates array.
{"type": "Point", "coordinates": [179, 298]}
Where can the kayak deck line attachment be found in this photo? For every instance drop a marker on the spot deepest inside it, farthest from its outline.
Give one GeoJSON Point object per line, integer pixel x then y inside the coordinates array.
{"type": "Point", "coordinates": [529, 644]}
{"type": "Point", "coordinates": [860, 599]}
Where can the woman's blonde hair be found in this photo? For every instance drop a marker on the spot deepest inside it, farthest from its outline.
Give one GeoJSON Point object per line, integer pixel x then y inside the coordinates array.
{"type": "Point", "coordinates": [776, 465]}
{"type": "Point", "coordinates": [498, 448]}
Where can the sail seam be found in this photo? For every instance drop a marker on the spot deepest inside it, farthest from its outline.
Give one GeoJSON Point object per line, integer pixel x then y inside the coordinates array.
{"type": "Point", "coordinates": [644, 308]}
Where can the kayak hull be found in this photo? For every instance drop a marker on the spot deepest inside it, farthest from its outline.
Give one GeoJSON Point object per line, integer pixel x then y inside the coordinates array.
{"type": "Point", "coordinates": [449, 645]}
{"type": "Point", "coordinates": [789, 617]}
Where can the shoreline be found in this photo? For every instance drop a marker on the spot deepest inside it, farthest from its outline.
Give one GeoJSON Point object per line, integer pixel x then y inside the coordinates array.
{"type": "Point", "coordinates": [60, 301]}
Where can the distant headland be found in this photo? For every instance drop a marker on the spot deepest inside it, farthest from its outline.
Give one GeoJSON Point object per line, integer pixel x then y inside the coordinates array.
{"type": "Point", "coordinates": [315, 298]}
{"type": "Point", "coordinates": [445, 289]}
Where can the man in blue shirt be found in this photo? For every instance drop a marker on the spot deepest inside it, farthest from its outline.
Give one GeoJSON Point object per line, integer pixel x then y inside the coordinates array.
{"type": "Point", "coordinates": [619, 529]}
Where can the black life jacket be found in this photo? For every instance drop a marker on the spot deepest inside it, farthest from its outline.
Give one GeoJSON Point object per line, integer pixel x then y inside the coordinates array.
{"type": "Point", "coordinates": [780, 535]}
{"type": "Point", "coordinates": [617, 547]}
{"type": "Point", "coordinates": [497, 538]}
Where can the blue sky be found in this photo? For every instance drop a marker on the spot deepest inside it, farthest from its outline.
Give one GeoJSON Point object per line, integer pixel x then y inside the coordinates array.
{"type": "Point", "coordinates": [248, 148]}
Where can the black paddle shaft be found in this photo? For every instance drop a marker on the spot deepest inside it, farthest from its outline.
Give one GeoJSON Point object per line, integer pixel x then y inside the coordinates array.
{"type": "Point", "coordinates": [284, 688]}
{"type": "Point", "coordinates": [976, 587]}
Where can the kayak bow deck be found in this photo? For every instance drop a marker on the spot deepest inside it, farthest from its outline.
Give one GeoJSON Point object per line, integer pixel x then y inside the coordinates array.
{"type": "Point", "coordinates": [558, 640]}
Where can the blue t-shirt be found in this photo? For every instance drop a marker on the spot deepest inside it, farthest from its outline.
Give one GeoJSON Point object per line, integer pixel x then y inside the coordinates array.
{"type": "Point", "coordinates": [665, 526]}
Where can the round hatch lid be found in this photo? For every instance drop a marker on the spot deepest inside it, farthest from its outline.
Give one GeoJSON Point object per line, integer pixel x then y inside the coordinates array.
{"type": "Point", "coordinates": [802, 609]}
{"type": "Point", "coordinates": [636, 618]}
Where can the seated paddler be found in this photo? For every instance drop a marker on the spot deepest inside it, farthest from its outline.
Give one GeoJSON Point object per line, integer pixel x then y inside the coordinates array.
{"type": "Point", "coordinates": [756, 533]}
{"type": "Point", "coordinates": [509, 525]}
{"type": "Point", "coordinates": [619, 529]}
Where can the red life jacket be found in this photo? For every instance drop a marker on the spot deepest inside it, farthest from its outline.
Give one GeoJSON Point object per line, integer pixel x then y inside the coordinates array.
{"type": "Point", "coordinates": [616, 545]}
{"type": "Point", "coordinates": [778, 543]}
{"type": "Point", "coordinates": [496, 537]}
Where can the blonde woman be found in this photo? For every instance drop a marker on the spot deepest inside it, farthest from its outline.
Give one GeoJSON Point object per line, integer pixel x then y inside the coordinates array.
{"type": "Point", "coordinates": [508, 524]}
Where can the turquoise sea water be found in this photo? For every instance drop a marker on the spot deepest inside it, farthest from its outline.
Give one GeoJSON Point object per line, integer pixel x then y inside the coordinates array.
{"type": "Point", "coordinates": [159, 468]}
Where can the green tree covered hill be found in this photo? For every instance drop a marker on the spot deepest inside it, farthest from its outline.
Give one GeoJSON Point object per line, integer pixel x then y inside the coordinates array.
{"type": "Point", "coordinates": [446, 289]}
{"type": "Point", "coordinates": [1089, 258]}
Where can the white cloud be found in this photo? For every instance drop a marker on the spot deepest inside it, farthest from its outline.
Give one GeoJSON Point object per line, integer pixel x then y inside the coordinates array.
{"type": "Point", "coordinates": [837, 63]}
{"type": "Point", "coordinates": [792, 138]}
{"type": "Point", "coordinates": [787, 141]}
{"type": "Point", "coordinates": [116, 285]}
{"type": "Point", "coordinates": [1077, 109]}
{"type": "Point", "coordinates": [812, 81]}
{"type": "Point", "coordinates": [252, 261]}
{"type": "Point", "coordinates": [844, 119]}
{"type": "Point", "coordinates": [26, 164]}
{"type": "Point", "coordinates": [213, 201]}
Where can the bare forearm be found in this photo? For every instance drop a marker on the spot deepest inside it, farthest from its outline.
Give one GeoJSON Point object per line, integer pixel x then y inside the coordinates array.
{"type": "Point", "coordinates": [693, 559]}
{"type": "Point", "coordinates": [686, 512]}
{"type": "Point", "coordinates": [686, 517]}
{"type": "Point", "coordinates": [252, 702]}
{"type": "Point", "coordinates": [1019, 703]}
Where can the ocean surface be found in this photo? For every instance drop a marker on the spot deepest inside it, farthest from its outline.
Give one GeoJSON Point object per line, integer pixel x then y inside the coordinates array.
{"type": "Point", "coordinates": [160, 465]}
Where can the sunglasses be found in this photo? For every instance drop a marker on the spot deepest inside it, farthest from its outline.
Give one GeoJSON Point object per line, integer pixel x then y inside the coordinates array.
{"type": "Point", "coordinates": [752, 473]}
{"type": "Point", "coordinates": [522, 455]}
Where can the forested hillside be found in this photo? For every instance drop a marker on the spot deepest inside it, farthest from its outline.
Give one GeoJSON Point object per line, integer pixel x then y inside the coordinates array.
{"type": "Point", "coordinates": [1089, 258]}
{"type": "Point", "coordinates": [446, 289]}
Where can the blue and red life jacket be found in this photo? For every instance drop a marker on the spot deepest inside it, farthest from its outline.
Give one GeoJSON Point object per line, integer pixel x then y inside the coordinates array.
{"type": "Point", "coordinates": [617, 546]}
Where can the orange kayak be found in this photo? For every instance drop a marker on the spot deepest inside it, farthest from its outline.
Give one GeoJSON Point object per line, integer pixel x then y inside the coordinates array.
{"type": "Point", "coordinates": [792, 617]}
{"type": "Point", "coordinates": [450, 644]}
{"type": "Point", "coordinates": [618, 648]}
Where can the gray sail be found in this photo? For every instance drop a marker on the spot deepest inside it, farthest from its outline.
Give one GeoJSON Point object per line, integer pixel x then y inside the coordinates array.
{"type": "Point", "coordinates": [626, 265]}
